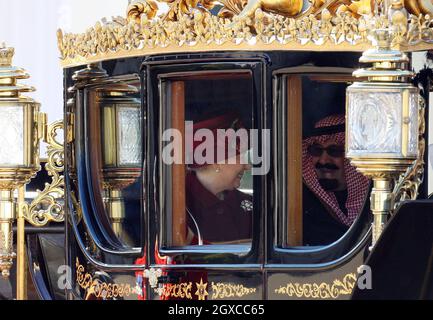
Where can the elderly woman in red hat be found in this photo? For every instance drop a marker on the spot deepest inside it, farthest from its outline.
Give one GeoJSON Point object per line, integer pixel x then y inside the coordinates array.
{"type": "Point", "coordinates": [217, 212]}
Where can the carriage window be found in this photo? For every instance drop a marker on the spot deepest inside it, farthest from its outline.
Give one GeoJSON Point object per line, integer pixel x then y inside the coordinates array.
{"type": "Point", "coordinates": [207, 191]}
{"type": "Point", "coordinates": [324, 194]}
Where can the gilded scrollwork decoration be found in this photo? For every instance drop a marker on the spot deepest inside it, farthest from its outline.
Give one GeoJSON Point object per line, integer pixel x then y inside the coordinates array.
{"type": "Point", "coordinates": [138, 8]}
{"type": "Point", "coordinates": [96, 288]}
{"type": "Point", "coordinates": [230, 291]}
{"type": "Point", "coordinates": [406, 187]}
{"type": "Point", "coordinates": [176, 291]}
{"type": "Point", "coordinates": [285, 24]}
{"type": "Point", "coordinates": [334, 290]}
{"type": "Point", "coordinates": [231, 8]}
{"type": "Point", "coordinates": [215, 291]}
{"type": "Point", "coordinates": [46, 207]}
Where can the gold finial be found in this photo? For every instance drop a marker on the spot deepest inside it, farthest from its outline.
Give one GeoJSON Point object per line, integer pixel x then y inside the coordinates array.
{"type": "Point", "coordinates": [6, 55]}
{"type": "Point", "coordinates": [397, 4]}
{"type": "Point", "coordinates": [382, 39]}
{"type": "Point", "coordinates": [388, 65]}
{"type": "Point", "coordinates": [10, 74]}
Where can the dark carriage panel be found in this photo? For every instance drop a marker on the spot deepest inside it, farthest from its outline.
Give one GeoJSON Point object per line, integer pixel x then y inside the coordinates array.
{"type": "Point", "coordinates": [401, 261]}
{"type": "Point", "coordinates": [91, 216]}
{"type": "Point", "coordinates": [270, 266]}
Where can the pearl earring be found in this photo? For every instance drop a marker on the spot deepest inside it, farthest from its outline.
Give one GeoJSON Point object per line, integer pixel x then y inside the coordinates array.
{"type": "Point", "coordinates": [217, 170]}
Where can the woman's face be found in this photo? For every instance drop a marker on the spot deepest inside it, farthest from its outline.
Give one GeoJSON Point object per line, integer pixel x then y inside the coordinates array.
{"type": "Point", "coordinates": [222, 177]}
{"type": "Point", "coordinates": [230, 175]}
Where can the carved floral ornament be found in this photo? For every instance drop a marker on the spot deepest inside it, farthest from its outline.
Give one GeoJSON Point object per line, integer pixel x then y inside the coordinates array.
{"type": "Point", "coordinates": [171, 25]}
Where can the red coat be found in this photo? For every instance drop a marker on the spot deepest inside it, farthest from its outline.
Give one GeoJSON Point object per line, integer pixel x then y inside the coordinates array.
{"type": "Point", "coordinates": [218, 220]}
{"type": "Point", "coordinates": [228, 220]}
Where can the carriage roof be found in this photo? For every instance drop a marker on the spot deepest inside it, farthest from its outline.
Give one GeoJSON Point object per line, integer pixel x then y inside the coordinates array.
{"type": "Point", "coordinates": [174, 26]}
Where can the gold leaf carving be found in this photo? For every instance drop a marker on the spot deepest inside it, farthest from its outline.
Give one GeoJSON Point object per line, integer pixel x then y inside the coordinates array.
{"type": "Point", "coordinates": [201, 292]}
{"type": "Point", "coordinates": [179, 8]}
{"type": "Point", "coordinates": [406, 188]}
{"type": "Point", "coordinates": [232, 8]}
{"type": "Point", "coordinates": [45, 207]}
{"type": "Point", "coordinates": [418, 7]}
{"type": "Point", "coordinates": [99, 289]}
{"type": "Point", "coordinates": [177, 291]}
{"type": "Point", "coordinates": [139, 7]}
{"type": "Point", "coordinates": [287, 8]}
{"type": "Point", "coordinates": [227, 291]}
{"type": "Point", "coordinates": [329, 24]}
{"type": "Point", "coordinates": [320, 290]}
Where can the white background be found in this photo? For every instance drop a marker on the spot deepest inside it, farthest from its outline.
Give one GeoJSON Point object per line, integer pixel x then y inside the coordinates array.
{"type": "Point", "coordinates": [30, 27]}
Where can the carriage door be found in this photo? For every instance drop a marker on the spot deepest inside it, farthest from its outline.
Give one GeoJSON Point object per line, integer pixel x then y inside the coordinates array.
{"type": "Point", "coordinates": [318, 236]}
{"type": "Point", "coordinates": [204, 204]}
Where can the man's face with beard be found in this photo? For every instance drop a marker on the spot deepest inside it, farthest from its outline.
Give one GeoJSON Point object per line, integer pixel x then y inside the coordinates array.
{"type": "Point", "coordinates": [328, 161]}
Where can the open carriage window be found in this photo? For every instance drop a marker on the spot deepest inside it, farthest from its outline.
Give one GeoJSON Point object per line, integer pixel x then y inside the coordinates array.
{"type": "Point", "coordinates": [325, 195]}
{"type": "Point", "coordinates": [207, 188]}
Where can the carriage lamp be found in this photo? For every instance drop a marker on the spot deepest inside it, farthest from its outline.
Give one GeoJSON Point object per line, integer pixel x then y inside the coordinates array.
{"type": "Point", "coordinates": [115, 117]}
{"type": "Point", "coordinates": [22, 128]}
{"type": "Point", "coordinates": [121, 147]}
{"type": "Point", "coordinates": [383, 124]}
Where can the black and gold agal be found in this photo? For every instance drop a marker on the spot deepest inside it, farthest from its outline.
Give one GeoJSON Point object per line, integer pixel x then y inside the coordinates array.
{"type": "Point", "coordinates": [152, 27]}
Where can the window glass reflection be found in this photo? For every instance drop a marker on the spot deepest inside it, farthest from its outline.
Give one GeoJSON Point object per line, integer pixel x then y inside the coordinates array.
{"type": "Point", "coordinates": [325, 193]}
{"type": "Point", "coordinates": [210, 201]}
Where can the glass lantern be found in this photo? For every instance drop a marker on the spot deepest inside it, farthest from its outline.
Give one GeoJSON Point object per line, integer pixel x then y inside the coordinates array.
{"type": "Point", "coordinates": [383, 124]}
{"type": "Point", "coordinates": [121, 146]}
{"type": "Point", "coordinates": [22, 127]}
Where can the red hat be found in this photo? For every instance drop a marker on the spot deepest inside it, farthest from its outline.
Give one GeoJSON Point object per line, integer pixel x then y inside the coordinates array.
{"type": "Point", "coordinates": [224, 135]}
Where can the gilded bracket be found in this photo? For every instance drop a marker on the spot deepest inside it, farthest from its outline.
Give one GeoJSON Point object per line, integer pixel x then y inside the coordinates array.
{"type": "Point", "coordinates": [406, 187]}
{"type": "Point", "coordinates": [45, 208]}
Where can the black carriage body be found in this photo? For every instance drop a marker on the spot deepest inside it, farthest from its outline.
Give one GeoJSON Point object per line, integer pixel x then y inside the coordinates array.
{"type": "Point", "coordinates": [104, 268]}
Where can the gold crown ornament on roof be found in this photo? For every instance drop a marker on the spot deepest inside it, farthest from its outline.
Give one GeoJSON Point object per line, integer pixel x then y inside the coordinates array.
{"type": "Point", "coordinates": [6, 55]}
{"type": "Point", "coordinates": [9, 74]}
{"type": "Point", "coordinates": [170, 26]}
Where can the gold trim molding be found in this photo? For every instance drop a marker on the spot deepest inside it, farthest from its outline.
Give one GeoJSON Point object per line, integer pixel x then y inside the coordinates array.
{"type": "Point", "coordinates": [218, 291]}
{"type": "Point", "coordinates": [228, 291]}
{"type": "Point", "coordinates": [100, 289]}
{"type": "Point", "coordinates": [323, 290]}
{"type": "Point", "coordinates": [177, 291]}
{"type": "Point", "coordinates": [323, 25]}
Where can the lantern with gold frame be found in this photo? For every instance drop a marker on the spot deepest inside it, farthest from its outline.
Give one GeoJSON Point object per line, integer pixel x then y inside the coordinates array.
{"type": "Point", "coordinates": [24, 126]}
{"type": "Point", "coordinates": [121, 152]}
{"type": "Point", "coordinates": [383, 124]}
{"type": "Point", "coordinates": [114, 132]}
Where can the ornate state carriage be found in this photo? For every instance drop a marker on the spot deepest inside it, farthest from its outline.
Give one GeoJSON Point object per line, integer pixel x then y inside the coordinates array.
{"type": "Point", "coordinates": [282, 65]}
